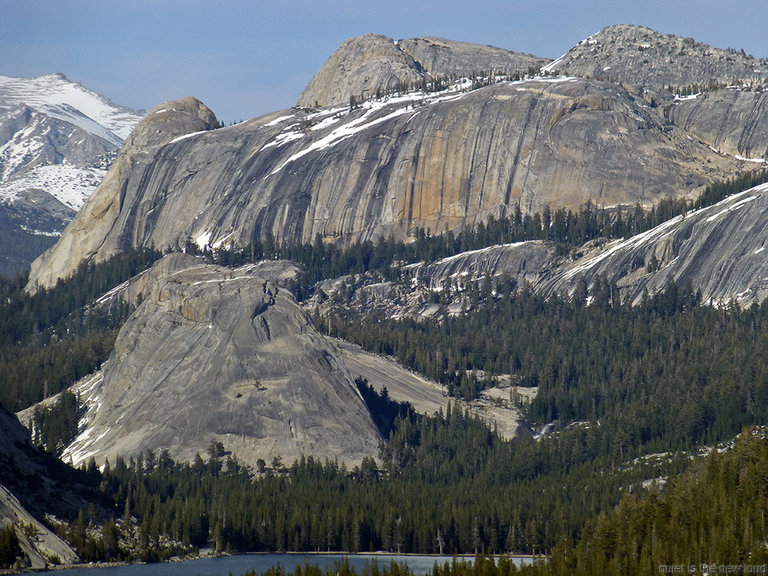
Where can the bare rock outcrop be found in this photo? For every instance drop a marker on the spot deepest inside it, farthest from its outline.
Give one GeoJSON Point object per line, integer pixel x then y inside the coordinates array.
{"type": "Point", "coordinates": [443, 57]}
{"type": "Point", "coordinates": [99, 229]}
{"type": "Point", "coordinates": [373, 65]}
{"type": "Point", "coordinates": [360, 68]}
{"type": "Point", "coordinates": [216, 355]}
{"type": "Point", "coordinates": [732, 120]}
{"type": "Point", "coordinates": [440, 161]}
{"type": "Point", "coordinates": [637, 55]}
{"type": "Point", "coordinates": [719, 250]}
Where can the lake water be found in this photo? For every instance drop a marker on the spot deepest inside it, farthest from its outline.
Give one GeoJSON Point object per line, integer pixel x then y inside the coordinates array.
{"type": "Point", "coordinates": [237, 565]}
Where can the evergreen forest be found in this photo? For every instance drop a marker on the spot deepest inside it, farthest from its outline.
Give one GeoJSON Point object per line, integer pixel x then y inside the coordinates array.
{"type": "Point", "coordinates": [635, 396]}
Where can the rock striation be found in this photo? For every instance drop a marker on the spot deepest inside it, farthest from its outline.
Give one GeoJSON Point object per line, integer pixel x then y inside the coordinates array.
{"type": "Point", "coordinates": [719, 250]}
{"type": "Point", "coordinates": [439, 161]}
{"type": "Point", "coordinates": [219, 355]}
{"type": "Point", "coordinates": [732, 120]}
{"type": "Point", "coordinates": [637, 55]}
{"type": "Point", "coordinates": [361, 68]}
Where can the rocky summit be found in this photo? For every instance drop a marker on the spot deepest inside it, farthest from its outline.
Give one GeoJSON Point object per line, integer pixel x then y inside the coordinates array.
{"type": "Point", "coordinates": [220, 355]}
{"type": "Point", "coordinates": [373, 65]}
{"type": "Point", "coordinates": [640, 56]}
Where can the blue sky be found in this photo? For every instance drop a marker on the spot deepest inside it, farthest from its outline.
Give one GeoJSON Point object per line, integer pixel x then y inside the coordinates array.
{"type": "Point", "coordinates": [246, 58]}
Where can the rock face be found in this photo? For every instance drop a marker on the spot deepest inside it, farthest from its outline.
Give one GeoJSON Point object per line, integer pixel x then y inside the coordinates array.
{"type": "Point", "coordinates": [639, 56]}
{"type": "Point", "coordinates": [371, 65]}
{"type": "Point", "coordinates": [358, 69]}
{"type": "Point", "coordinates": [443, 57]}
{"type": "Point", "coordinates": [103, 227]}
{"type": "Point", "coordinates": [731, 120]}
{"type": "Point", "coordinates": [438, 161]}
{"type": "Point", "coordinates": [218, 355]}
{"type": "Point", "coordinates": [719, 250]}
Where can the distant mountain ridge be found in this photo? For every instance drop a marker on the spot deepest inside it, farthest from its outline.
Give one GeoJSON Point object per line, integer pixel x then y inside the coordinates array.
{"type": "Point", "coordinates": [57, 140]}
{"type": "Point", "coordinates": [48, 121]}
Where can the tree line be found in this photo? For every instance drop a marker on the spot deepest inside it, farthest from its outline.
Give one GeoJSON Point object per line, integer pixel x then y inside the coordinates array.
{"type": "Point", "coordinates": [568, 229]}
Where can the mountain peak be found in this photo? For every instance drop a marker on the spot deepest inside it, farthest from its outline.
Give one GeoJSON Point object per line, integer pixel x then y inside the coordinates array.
{"type": "Point", "coordinates": [641, 56]}
{"type": "Point", "coordinates": [359, 68]}
{"type": "Point", "coordinates": [372, 64]}
{"type": "Point", "coordinates": [173, 119]}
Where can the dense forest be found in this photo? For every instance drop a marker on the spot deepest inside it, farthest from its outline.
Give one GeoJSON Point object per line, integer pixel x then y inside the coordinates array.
{"type": "Point", "coordinates": [18, 246]}
{"type": "Point", "coordinates": [440, 481]}
{"type": "Point", "coordinates": [709, 520]}
{"type": "Point", "coordinates": [666, 376]}
{"type": "Point", "coordinates": [55, 337]}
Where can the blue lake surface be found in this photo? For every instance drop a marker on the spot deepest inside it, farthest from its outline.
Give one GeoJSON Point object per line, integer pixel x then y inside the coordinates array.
{"type": "Point", "coordinates": [237, 565]}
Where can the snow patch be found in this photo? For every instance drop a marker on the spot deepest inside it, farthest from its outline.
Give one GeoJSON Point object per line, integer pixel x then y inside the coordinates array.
{"type": "Point", "coordinates": [758, 160]}
{"type": "Point", "coordinates": [68, 184]}
{"type": "Point", "coordinates": [679, 98]}
{"type": "Point", "coordinates": [60, 98]}
{"type": "Point", "coordinates": [732, 207]}
{"type": "Point", "coordinates": [185, 136]}
{"type": "Point", "coordinates": [203, 240]}
{"type": "Point", "coordinates": [279, 120]}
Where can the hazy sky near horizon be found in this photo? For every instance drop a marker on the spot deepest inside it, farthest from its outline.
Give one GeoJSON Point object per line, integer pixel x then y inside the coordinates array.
{"type": "Point", "coordinates": [246, 58]}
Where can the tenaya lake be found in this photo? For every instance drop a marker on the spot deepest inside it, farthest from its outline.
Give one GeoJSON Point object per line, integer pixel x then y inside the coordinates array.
{"type": "Point", "coordinates": [237, 565]}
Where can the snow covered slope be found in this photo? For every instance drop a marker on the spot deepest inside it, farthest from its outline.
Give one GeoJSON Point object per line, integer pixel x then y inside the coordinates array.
{"type": "Point", "coordinates": [57, 140]}
{"type": "Point", "coordinates": [51, 121]}
{"type": "Point", "coordinates": [60, 98]}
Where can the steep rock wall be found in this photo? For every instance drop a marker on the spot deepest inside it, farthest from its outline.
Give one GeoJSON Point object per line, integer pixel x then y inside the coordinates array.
{"type": "Point", "coordinates": [439, 161]}
{"type": "Point", "coordinates": [731, 120]}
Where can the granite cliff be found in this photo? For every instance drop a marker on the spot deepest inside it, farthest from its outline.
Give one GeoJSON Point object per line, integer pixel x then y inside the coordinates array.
{"type": "Point", "coordinates": [220, 355]}
{"type": "Point", "coordinates": [440, 161]}
{"type": "Point", "coordinates": [731, 120]}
